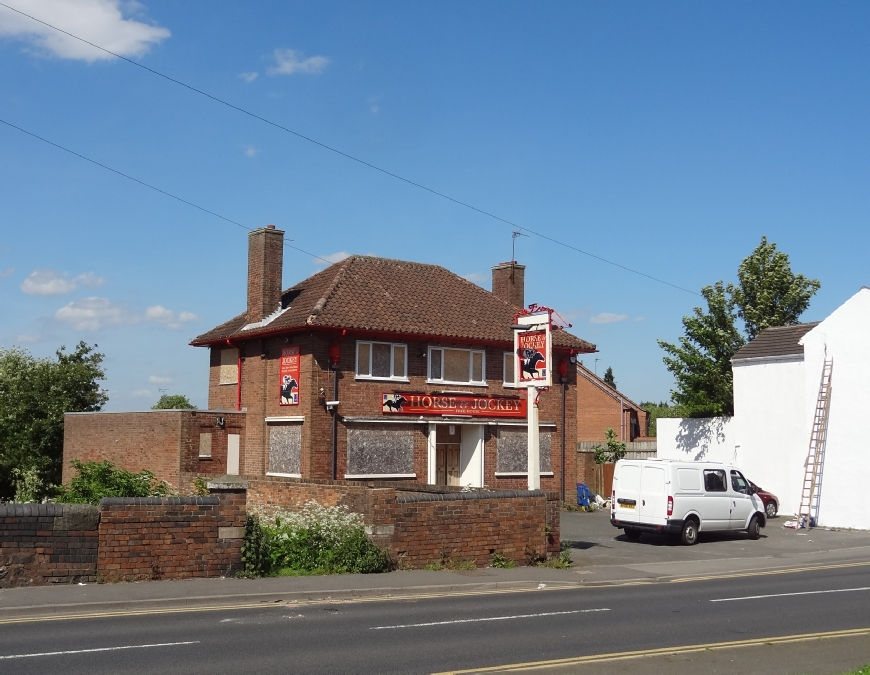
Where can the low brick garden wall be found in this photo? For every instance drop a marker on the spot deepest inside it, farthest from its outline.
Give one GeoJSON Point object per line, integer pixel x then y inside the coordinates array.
{"type": "Point", "coordinates": [48, 543]}
{"type": "Point", "coordinates": [122, 539]}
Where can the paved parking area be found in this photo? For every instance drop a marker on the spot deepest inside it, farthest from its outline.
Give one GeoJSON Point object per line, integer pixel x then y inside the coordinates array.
{"type": "Point", "coordinates": [595, 542]}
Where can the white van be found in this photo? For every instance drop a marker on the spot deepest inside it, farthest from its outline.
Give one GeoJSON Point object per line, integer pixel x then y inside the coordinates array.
{"type": "Point", "coordinates": [673, 497]}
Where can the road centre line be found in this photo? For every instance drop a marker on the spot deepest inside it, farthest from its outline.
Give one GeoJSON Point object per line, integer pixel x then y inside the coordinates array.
{"type": "Point", "coordinates": [490, 618]}
{"type": "Point", "coordinates": [662, 651]}
{"type": "Point", "coordinates": [785, 595]}
{"type": "Point", "coordinates": [98, 649]}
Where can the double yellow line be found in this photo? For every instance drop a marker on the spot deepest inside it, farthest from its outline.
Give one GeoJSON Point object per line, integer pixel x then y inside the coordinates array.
{"type": "Point", "coordinates": [664, 651]}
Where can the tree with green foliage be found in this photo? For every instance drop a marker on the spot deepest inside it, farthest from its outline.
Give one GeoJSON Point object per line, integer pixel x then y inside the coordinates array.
{"type": "Point", "coordinates": [34, 395]}
{"type": "Point", "coordinates": [612, 451]}
{"type": "Point", "coordinates": [95, 480]}
{"type": "Point", "coordinates": [767, 294]}
{"type": "Point", "coordinates": [608, 378]}
{"type": "Point", "coordinates": [173, 402]}
{"type": "Point", "coordinates": [658, 410]}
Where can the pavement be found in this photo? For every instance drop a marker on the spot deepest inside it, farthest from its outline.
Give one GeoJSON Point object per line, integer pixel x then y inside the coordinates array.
{"type": "Point", "coordinates": [601, 556]}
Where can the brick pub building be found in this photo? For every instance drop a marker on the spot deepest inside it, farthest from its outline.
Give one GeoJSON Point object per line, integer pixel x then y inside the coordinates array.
{"type": "Point", "coordinates": [382, 369]}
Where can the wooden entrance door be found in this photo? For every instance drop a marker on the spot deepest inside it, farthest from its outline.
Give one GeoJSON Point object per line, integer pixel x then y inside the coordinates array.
{"type": "Point", "coordinates": [447, 454]}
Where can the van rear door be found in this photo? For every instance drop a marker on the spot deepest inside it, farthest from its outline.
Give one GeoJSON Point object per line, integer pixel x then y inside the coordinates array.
{"type": "Point", "coordinates": [626, 483]}
{"type": "Point", "coordinates": [653, 508]}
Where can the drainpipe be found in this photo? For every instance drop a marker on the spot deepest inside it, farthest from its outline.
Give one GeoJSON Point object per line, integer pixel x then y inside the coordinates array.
{"type": "Point", "coordinates": [562, 472]}
{"type": "Point", "coordinates": [238, 375]}
{"type": "Point", "coordinates": [335, 422]}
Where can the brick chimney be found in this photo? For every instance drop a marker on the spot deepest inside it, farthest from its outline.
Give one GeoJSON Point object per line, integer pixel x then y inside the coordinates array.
{"type": "Point", "coordinates": [265, 266]}
{"type": "Point", "coordinates": [509, 282]}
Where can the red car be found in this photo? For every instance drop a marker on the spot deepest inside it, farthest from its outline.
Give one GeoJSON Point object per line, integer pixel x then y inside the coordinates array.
{"type": "Point", "coordinates": [770, 500]}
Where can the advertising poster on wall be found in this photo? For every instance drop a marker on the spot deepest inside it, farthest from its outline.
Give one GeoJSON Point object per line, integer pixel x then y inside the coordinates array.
{"type": "Point", "coordinates": [289, 375]}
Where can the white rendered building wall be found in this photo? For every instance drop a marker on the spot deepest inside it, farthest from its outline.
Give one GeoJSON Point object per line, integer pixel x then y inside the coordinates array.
{"type": "Point", "coordinates": [770, 431]}
{"type": "Point", "coordinates": [845, 334]}
{"type": "Point", "coordinates": [695, 440]}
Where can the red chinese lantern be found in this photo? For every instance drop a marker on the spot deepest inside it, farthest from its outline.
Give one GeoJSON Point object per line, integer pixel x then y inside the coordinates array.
{"type": "Point", "coordinates": [335, 353]}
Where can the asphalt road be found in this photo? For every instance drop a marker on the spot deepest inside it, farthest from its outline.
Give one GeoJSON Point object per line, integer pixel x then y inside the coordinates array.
{"type": "Point", "coordinates": [446, 633]}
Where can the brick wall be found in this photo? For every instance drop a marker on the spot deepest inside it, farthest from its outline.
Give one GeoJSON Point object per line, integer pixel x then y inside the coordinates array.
{"type": "Point", "coordinates": [171, 537]}
{"type": "Point", "coordinates": [163, 441]}
{"type": "Point", "coordinates": [420, 523]}
{"type": "Point", "coordinates": [47, 543]}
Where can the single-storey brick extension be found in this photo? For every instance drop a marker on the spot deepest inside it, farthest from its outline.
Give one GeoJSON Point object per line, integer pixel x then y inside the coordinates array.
{"type": "Point", "coordinates": [383, 369]}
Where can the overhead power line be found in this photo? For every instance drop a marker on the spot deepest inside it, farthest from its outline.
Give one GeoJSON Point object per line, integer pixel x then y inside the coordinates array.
{"type": "Point", "coordinates": [150, 187]}
{"type": "Point", "coordinates": [338, 152]}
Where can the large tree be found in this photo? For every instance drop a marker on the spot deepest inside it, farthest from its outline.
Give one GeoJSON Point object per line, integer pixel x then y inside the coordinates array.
{"type": "Point", "coordinates": [34, 395]}
{"type": "Point", "coordinates": [767, 294]}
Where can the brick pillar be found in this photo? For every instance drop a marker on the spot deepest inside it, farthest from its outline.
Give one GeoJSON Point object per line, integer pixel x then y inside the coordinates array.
{"type": "Point", "coordinates": [509, 282]}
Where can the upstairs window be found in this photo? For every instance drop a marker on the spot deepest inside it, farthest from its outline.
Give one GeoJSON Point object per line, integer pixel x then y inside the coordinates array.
{"type": "Point", "coordinates": [509, 360]}
{"type": "Point", "coordinates": [456, 366]}
{"type": "Point", "coordinates": [381, 361]}
{"type": "Point", "coordinates": [229, 368]}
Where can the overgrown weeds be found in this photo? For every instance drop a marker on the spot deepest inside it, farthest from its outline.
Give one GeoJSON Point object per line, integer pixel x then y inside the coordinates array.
{"type": "Point", "coordinates": [316, 540]}
{"type": "Point", "coordinates": [502, 562]}
{"type": "Point", "coordinates": [96, 480]}
{"type": "Point", "coordinates": [560, 562]}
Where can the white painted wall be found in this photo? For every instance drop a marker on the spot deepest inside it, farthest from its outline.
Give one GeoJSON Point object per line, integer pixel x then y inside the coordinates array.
{"type": "Point", "coordinates": [471, 455]}
{"type": "Point", "coordinates": [695, 440]}
{"type": "Point", "coordinates": [770, 431]}
{"type": "Point", "coordinates": [845, 335]}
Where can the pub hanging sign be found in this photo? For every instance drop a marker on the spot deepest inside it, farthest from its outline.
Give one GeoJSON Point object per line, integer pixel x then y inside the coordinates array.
{"type": "Point", "coordinates": [453, 404]}
{"type": "Point", "coordinates": [288, 374]}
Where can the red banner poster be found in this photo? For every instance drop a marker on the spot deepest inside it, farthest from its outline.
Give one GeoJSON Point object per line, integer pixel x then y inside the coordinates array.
{"type": "Point", "coordinates": [453, 404]}
{"type": "Point", "coordinates": [532, 357]}
{"type": "Point", "coordinates": [289, 375]}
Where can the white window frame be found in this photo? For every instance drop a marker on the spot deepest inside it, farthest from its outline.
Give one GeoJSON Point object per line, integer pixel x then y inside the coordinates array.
{"type": "Point", "coordinates": [469, 382]}
{"type": "Point", "coordinates": [509, 383]}
{"type": "Point", "coordinates": [391, 378]}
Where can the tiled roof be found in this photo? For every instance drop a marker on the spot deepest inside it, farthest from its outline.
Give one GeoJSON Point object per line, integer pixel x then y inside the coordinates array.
{"type": "Point", "coordinates": [606, 388]}
{"type": "Point", "coordinates": [776, 341]}
{"type": "Point", "coordinates": [391, 296]}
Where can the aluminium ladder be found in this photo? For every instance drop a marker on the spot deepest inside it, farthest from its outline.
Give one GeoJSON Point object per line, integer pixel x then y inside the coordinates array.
{"type": "Point", "coordinates": [811, 489]}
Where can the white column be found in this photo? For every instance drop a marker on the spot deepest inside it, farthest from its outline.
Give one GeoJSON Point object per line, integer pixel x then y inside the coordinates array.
{"type": "Point", "coordinates": [534, 444]}
{"type": "Point", "coordinates": [431, 463]}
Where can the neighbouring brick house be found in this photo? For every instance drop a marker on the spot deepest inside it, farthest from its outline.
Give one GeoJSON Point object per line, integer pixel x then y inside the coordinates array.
{"type": "Point", "coordinates": [372, 369]}
{"type": "Point", "coordinates": [418, 359]}
{"type": "Point", "coordinates": [601, 407]}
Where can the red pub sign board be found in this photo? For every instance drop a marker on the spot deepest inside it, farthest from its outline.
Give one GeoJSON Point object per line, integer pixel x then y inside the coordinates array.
{"type": "Point", "coordinates": [289, 375]}
{"type": "Point", "coordinates": [453, 404]}
{"type": "Point", "coordinates": [533, 356]}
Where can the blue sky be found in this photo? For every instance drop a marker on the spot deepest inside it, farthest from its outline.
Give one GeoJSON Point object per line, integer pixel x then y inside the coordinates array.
{"type": "Point", "coordinates": [668, 137]}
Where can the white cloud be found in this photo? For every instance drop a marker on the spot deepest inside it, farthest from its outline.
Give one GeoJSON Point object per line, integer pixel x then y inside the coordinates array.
{"type": "Point", "coordinates": [6, 272]}
{"type": "Point", "coordinates": [51, 282]}
{"type": "Point", "coordinates": [332, 258]}
{"type": "Point", "coordinates": [478, 278]}
{"type": "Point", "coordinates": [289, 61]}
{"type": "Point", "coordinates": [639, 318]}
{"type": "Point", "coordinates": [95, 313]}
{"type": "Point", "coordinates": [160, 314]}
{"type": "Point", "coordinates": [99, 21]}
{"type": "Point", "coordinates": [27, 339]}
{"type": "Point", "coordinates": [249, 77]}
{"type": "Point", "coordinates": [608, 317]}
{"type": "Point", "coordinates": [374, 108]}
{"type": "Point", "coordinates": [251, 151]}
{"type": "Point", "coordinates": [159, 379]}
{"type": "Point", "coordinates": [141, 393]}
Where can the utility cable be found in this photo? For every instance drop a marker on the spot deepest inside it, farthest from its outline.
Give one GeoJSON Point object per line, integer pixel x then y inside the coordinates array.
{"type": "Point", "coordinates": [151, 187]}
{"type": "Point", "coordinates": [348, 156]}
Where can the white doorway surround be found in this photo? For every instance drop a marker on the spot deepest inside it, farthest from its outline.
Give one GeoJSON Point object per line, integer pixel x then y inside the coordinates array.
{"type": "Point", "coordinates": [233, 454]}
{"type": "Point", "coordinates": [471, 456]}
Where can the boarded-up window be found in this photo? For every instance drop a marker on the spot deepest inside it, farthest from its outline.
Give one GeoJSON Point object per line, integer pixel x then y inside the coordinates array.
{"type": "Point", "coordinates": [285, 449]}
{"type": "Point", "coordinates": [205, 444]}
{"type": "Point", "coordinates": [229, 373]}
{"type": "Point", "coordinates": [380, 452]}
{"type": "Point", "coordinates": [512, 450]}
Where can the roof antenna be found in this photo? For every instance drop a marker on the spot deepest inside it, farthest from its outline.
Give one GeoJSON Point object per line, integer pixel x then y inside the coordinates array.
{"type": "Point", "coordinates": [514, 235]}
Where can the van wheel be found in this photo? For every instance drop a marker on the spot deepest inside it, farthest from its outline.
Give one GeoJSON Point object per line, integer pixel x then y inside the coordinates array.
{"type": "Point", "coordinates": [632, 534]}
{"type": "Point", "coordinates": [754, 528]}
{"type": "Point", "coordinates": [770, 509]}
{"type": "Point", "coordinates": [689, 535]}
